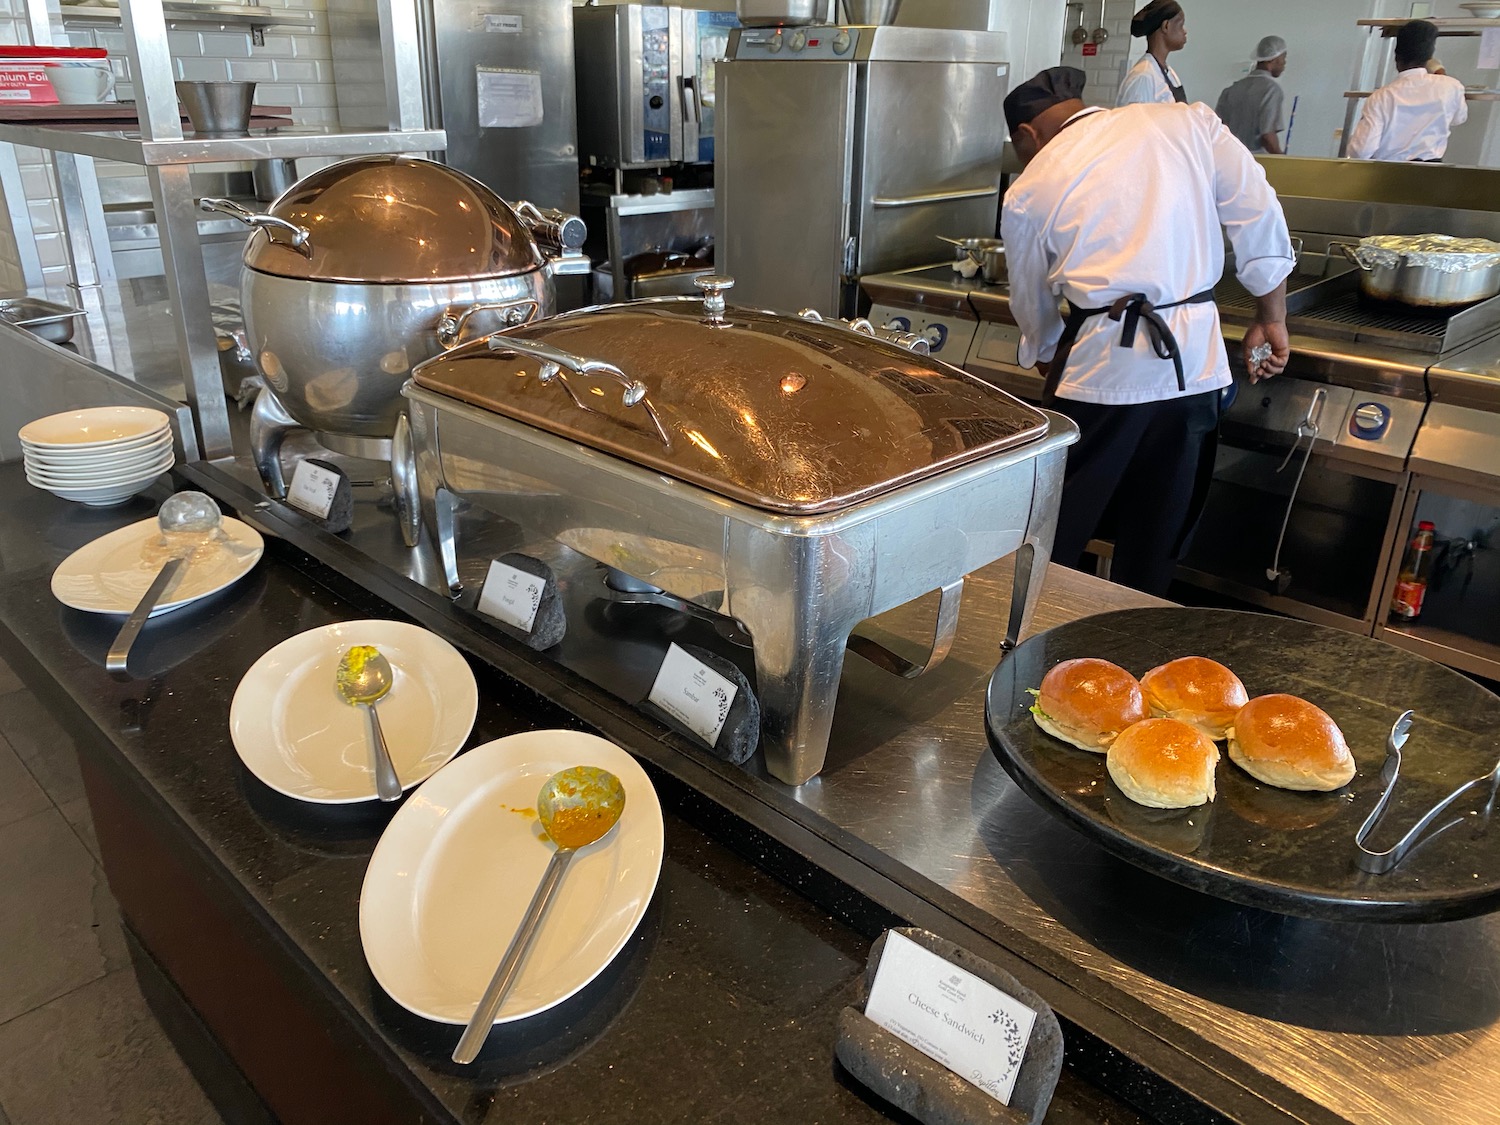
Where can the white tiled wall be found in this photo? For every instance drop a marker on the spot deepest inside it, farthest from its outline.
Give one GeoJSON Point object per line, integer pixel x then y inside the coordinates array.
{"type": "Point", "coordinates": [294, 68]}
{"type": "Point", "coordinates": [1107, 68]}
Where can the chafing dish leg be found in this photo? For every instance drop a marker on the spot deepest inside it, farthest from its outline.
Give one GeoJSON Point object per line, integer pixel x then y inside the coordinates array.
{"type": "Point", "coordinates": [797, 667]}
{"type": "Point", "coordinates": [445, 524]}
{"type": "Point", "coordinates": [1036, 548]}
{"type": "Point", "coordinates": [404, 483]}
{"type": "Point", "coordinates": [269, 423]}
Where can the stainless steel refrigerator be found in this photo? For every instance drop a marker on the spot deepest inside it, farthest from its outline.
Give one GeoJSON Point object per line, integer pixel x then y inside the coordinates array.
{"type": "Point", "coordinates": [844, 151]}
{"type": "Point", "coordinates": [497, 75]}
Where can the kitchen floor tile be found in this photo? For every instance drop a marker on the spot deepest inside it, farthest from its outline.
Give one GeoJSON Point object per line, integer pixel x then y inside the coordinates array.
{"type": "Point", "coordinates": [42, 744]}
{"type": "Point", "coordinates": [76, 812]}
{"type": "Point", "coordinates": [59, 926]}
{"type": "Point", "coordinates": [97, 1055]}
{"type": "Point", "coordinates": [20, 796]}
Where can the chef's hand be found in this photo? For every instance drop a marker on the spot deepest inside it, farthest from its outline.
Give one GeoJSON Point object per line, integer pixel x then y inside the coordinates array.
{"type": "Point", "coordinates": [1262, 335]}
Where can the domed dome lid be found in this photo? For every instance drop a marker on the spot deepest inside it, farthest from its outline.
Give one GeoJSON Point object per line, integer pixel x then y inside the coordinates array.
{"type": "Point", "coordinates": [392, 219]}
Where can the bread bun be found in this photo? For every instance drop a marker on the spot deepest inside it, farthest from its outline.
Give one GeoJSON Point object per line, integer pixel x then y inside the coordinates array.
{"type": "Point", "coordinates": [1287, 742]}
{"type": "Point", "coordinates": [1196, 690]}
{"type": "Point", "coordinates": [1088, 702]}
{"type": "Point", "coordinates": [1164, 764]}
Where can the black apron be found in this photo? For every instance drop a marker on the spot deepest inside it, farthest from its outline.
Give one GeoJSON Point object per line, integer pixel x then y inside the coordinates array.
{"type": "Point", "coordinates": [1178, 93]}
{"type": "Point", "coordinates": [1131, 311]}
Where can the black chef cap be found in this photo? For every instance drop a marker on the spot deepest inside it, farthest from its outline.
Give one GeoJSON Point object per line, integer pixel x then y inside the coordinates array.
{"type": "Point", "coordinates": [1416, 41]}
{"type": "Point", "coordinates": [1051, 87]}
{"type": "Point", "coordinates": [1152, 16]}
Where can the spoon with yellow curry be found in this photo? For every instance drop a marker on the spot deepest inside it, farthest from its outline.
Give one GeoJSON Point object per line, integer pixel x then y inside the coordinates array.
{"type": "Point", "coordinates": [577, 807]}
{"type": "Point", "coordinates": [364, 678]}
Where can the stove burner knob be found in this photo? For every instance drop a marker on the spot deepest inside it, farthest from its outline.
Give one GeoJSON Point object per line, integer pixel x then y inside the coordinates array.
{"type": "Point", "coordinates": [1370, 421]}
{"type": "Point", "coordinates": [841, 42]}
{"type": "Point", "coordinates": [799, 40]}
{"type": "Point", "coordinates": [900, 323]}
{"type": "Point", "coordinates": [775, 44]}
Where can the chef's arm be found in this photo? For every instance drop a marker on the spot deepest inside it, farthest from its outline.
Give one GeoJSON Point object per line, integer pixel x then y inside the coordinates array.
{"type": "Point", "coordinates": [1364, 142]}
{"type": "Point", "coordinates": [1032, 302]}
{"type": "Point", "coordinates": [1271, 142]}
{"type": "Point", "coordinates": [1269, 329]}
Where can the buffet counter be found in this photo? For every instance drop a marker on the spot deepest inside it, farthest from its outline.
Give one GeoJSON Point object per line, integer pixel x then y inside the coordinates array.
{"type": "Point", "coordinates": [242, 904]}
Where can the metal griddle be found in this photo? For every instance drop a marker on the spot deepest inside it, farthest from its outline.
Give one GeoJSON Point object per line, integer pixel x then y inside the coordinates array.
{"type": "Point", "coordinates": [1292, 853]}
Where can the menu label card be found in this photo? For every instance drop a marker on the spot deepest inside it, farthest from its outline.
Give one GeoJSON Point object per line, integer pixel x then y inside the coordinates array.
{"type": "Point", "coordinates": [313, 489]}
{"type": "Point", "coordinates": [950, 1015]}
{"type": "Point", "coordinates": [693, 694]}
{"type": "Point", "coordinates": [511, 595]}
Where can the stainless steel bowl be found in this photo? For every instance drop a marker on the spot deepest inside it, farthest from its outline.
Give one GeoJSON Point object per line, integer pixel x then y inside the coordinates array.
{"type": "Point", "coordinates": [217, 108]}
{"type": "Point", "coordinates": [1433, 271]}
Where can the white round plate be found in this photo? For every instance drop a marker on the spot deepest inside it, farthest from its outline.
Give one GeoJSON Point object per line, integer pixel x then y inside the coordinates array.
{"type": "Point", "coordinates": [104, 496]}
{"type": "Point", "coordinates": [114, 451]}
{"type": "Point", "coordinates": [455, 869]}
{"type": "Point", "coordinates": [110, 574]}
{"type": "Point", "coordinates": [296, 733]}
{"type": "Point", "coordinates": [97, 426]}
{"type": "Point", "coordinates": [94, 478]}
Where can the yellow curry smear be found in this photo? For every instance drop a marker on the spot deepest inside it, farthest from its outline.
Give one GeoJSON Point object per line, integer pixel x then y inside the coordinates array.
{"type": "Point", "coordinates": [598, 798]}
{"type": "Point", "coordinates": [351, 667]}
{"type": "Point", "coordinates": [573, 826]}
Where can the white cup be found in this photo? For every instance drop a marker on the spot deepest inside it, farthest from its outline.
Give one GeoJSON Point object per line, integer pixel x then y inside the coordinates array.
{"type": "Point", "coordinates": [81, 85]}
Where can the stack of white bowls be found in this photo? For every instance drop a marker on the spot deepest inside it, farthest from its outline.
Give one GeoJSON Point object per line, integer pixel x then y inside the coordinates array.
{"type": "Point", "coordinates": [99, 457]}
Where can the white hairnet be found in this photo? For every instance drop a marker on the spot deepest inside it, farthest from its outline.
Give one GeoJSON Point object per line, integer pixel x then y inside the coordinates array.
{"type": "Point", "coordinates": [1271, 47]}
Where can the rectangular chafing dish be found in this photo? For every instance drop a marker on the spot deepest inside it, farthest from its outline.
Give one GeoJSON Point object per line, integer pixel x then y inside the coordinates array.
{"type": "Point", "coordinates": [796, 476]}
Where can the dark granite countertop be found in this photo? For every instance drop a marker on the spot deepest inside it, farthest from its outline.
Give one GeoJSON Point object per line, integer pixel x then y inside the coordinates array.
{"type": "Point", "coordinates": [721, 1007]}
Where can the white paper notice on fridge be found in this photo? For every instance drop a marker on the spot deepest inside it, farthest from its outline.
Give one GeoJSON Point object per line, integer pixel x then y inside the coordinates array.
{"type": "Point", "coordinates": [511, 595]}
{"type": "Point", "coordinates": [693, 694]}
{"type": "Point", "coordinates": [1489, 49]}
{"type": "Point", "coordinates": [950, 1015]}
{"type": "Point", "coordinates": [509, 99]}
{"type": "Point", "coordinates": [504, 23]}
{"type": "Point", "coordinates": [313, 489]}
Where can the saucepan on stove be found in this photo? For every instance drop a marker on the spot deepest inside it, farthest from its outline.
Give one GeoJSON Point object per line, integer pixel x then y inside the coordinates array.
{"type": "Point", "coordinates": [1434, 271]}
{"type": "Point", "coordinates": [987, 253]}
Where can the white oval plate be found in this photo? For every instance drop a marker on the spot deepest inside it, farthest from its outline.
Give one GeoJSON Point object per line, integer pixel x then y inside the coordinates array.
{"type": "Point", "coordinates": [455, 869]}
{"type": "Point", "coordinates": [111, 574]}
{"type": "Point", "coordinates": [296, 733]}
{"type": "Point", "coordinates": [96, 426]}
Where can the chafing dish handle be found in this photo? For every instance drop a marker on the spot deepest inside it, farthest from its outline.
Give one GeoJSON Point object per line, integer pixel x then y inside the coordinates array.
{"type": "Point", "coordinates": [553, 360]}
{"type": "Point", "coordinates": [883, 658]}
{"type": "Point", "coordinates": [557, 230]}
{"type": "Point", "coordinates": [933, 197]}
{"type": "Point", "coordinates": [301, 236]}
{"type": "Point", "coordinates": [450, 326]}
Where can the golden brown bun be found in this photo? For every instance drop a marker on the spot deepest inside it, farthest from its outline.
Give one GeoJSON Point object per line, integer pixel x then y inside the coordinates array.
{"type": "Point", "coordinates": [1198, 691]}
{"type": "Point", "coordinates": [1088, 702]}
{"type": "Point", "coordinates": [1164, 764]}
{"type": "Point", "coordinates": [1287, 742]}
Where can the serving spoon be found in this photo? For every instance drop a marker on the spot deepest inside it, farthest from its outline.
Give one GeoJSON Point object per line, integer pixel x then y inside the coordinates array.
{"type": "Point", "coordinates": [186, 520]}
{"type": "Point", "coordinates": [364, 678]}
{"type": "Point", "coordinates": [577, 807]}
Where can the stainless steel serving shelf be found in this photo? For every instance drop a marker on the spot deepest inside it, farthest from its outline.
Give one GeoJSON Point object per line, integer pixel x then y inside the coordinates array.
{"type": "Point", "coordinates": [293, 142]}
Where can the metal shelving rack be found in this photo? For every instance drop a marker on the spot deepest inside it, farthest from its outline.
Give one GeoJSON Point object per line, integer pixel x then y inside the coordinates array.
{"type": "Point", "coordinates": [1379, 30]}
{"type": "Point", "coordinates": [160, 147]}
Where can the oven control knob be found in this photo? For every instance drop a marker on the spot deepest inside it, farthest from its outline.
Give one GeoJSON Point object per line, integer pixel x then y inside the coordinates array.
{"type": "Point", "coordinates": [799, 40]}
{"type": "Point", "coordinates": [842, 42]}
{"type": "Point", "coordinates": [937, 336]}
{"type": "Point", "coordinates": [899, 323]}
{"type": "Point", "coordinates": [1370, 421]}
{"type": "Point", "coordinates": [775, 44]}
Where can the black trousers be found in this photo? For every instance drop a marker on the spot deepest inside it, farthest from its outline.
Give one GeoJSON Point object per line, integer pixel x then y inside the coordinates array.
{"type": "Point", "coordinates": [1143, 471]}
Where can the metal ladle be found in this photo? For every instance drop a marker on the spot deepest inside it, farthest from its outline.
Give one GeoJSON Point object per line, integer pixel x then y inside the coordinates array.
{"type": "Point", "coordinates": [1101, 33]}
{"type": "Point", "coordinates": [577, 807]}
{"type": "Point", "coordinates": [1080, 33]}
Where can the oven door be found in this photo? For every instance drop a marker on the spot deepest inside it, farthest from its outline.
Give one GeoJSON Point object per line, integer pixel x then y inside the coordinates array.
{"type": "Point", "coordinates": [1306, 500]}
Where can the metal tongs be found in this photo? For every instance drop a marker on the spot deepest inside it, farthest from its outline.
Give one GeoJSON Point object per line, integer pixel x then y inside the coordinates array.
{"type": "Point", "coordinates": [1378, 863]}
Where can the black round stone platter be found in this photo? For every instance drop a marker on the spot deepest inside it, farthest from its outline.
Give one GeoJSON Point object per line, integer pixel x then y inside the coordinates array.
{"type": "Point", "coordinates": [1292, 853]}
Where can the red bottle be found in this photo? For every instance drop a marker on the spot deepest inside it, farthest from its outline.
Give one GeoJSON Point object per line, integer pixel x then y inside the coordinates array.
{"type": "Point", "coordinates": [1416, 567]}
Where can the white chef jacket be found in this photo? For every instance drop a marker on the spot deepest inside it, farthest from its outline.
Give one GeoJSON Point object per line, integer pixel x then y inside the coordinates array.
{"type": "Point", "coordinates": [1144, 83]}
{"type": "Point", "coordinates": [1131, 200]}
{"type": "Point", "coordinates": [1409, 117]}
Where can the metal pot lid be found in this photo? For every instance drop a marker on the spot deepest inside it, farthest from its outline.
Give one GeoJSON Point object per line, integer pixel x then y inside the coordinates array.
{"type": "Point", "coordinates": [775, 411]}
{"type": "Point", "coordinates": [393, 220]}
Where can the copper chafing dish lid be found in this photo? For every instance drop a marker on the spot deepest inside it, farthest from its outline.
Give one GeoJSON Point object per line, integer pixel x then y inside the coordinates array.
{"type": "Point", "coordinates": [393, 220]}
{"type": "Point", "coordinates": [774, 411]}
